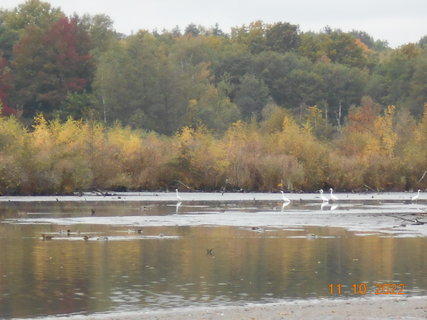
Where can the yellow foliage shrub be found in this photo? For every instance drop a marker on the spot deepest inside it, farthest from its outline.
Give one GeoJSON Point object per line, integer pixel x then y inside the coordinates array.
{"type": "Point", "coordinates": [64, 157]}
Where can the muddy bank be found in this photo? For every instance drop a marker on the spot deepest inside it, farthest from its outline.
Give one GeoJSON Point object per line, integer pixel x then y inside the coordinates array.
{"type": "Point", "coordinates": [354, 308]}
{"type": "Point", "coordinates": [383, 219]}
{"type": "Point", "coordinates": [404, 197]}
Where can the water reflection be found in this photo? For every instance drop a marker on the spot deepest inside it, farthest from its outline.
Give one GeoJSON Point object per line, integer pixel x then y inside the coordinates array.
{"type": "Point", "coordinates": [172, 267]}
{"type": "Point", "coordinates": [328, 206]}
{"type": "Point", "coordinates": [177, 207]}
{"type": "Point", "coordinates": [284, 205]}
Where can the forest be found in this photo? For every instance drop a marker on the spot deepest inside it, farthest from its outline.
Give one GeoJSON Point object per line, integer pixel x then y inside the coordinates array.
{"type": "Point", "coordinates": [264, 107]}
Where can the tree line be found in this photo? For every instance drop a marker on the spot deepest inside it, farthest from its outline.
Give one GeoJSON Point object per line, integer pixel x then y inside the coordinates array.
{"type": "Point", "coordinates": [263, 107]}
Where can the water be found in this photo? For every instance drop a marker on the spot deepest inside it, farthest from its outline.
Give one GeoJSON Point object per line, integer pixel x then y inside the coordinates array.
{"type": "Point", "coordinates": [157, 253]}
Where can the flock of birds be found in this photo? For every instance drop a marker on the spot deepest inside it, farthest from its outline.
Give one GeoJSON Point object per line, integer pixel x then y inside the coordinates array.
{"type": "Point", "coordinates": [332, 197]}
{"type": "Point", "coordinates": [286, 201]}
{"type": "Point", "coordinates": [45, 237]}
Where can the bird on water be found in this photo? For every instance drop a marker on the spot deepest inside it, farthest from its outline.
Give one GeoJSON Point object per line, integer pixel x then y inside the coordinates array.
{"type": "Point", "coordinates": [178, 198]}
{"type": "Point", "coordinates": [333, 197]}
{"type": "Point", "coordinates": [46, 237]}
{"type": "Point", "coordinates": [415, 198]}
{"type": "Point", "coordinates": [285, 199]}
{"type": "Point", "coordinates": [324, 199]}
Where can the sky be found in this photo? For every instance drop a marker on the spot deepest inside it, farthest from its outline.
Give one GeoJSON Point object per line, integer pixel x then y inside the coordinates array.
{"type": "Point", "coordinates": [396, 21]}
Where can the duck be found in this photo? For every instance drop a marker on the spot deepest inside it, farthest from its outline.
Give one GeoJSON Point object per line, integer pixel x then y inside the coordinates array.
{"type": "Point", "coordinates": [209, 252]}
{"type": "Point", "coordinates": [135, 231]}
{"type": "Point", "coordinates": [46, 237]}
{"type": "Point", "coordinates": [312, 236]}
{"type": "Point", "coordinates": [67, 232]}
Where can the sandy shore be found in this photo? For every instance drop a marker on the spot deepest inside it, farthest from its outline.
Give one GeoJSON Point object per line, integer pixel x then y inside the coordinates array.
{"type": "Point", "coordinates": [354, 308]}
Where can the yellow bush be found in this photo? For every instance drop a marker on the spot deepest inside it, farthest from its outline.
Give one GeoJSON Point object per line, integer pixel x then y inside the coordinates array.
{"type": "Point", "coordinates": [63, 157]}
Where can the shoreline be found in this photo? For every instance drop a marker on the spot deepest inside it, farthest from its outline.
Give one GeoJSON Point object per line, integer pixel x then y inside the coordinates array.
{"type": "Point", "coordinates": [163, 196]}
{"type": "Point", "coordinates": [389, 214]}
{"type": "Point", "coordinates": [378, 307]}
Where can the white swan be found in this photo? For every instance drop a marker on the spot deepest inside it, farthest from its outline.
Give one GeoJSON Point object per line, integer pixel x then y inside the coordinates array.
{"type": "Point", "coordinates": [333, 197]}
{"type": "Point", "coordinates": [285, 199]}
{"type": "Point", "coordinates": [178, 198]}
{"type": "Point", "coordinates": [415, 198]}
{"type": "Point", "coordinates": [324, 199]}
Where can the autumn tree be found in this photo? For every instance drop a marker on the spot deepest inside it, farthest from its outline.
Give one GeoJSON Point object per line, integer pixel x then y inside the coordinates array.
{"type": "Point", "coordinates": [369, 41]}
{"type": "Point", "coordinates": [334, 46]}
{"type": "Point", "coordinates": [365, 155]}
{"type": "Point", "coordinates": [50, 63]}
{"type": "Point", "coordinates": [415, 154]}
{"type": "Point", "coordinates": [342, 48]}
{"type": "Point", "coordinates": [13, 139]}
{"type": "Point", "coordinates": [299, 142]}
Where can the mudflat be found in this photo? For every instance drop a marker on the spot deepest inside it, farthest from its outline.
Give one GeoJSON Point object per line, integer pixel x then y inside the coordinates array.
{"type": "Point", "coordinates": [354, 308]}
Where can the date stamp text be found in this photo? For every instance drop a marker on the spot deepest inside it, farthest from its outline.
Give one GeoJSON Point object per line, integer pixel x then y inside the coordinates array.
{"type": "Point", "coordinates": [363, 288]}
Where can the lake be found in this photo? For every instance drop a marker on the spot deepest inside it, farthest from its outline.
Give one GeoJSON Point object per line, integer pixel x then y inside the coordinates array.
{"type": "Point", "coordinates": [134, 251]}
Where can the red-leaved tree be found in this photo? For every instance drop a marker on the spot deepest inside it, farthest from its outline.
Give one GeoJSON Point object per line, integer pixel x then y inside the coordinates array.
{"type": "Point", "coordinates": [49, 64]}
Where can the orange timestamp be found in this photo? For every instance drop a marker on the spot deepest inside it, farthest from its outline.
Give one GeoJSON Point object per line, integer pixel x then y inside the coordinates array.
{"type": "Point", "coordinates": [362, 289]}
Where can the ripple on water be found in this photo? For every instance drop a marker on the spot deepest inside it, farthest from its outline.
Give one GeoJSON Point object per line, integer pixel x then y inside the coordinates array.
{"type": "Point", "coordinates": [260, 253]}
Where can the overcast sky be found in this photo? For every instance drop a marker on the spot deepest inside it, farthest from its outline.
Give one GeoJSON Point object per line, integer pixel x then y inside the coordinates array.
{"type": "Point", "coordinates": [396, 21]}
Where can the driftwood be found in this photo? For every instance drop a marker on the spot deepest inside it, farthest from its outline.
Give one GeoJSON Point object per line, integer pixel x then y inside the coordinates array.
{"type": "Point", "coordinates": [422, 177]}
{"type": "Point", "coordinates": [182, 183]}
{"type": "Point", "coordinates": [368, 187]}
{"type": "Point", "coordinates": [414, 221]}
{"type": "Point", "coordinates": [103, 194]}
